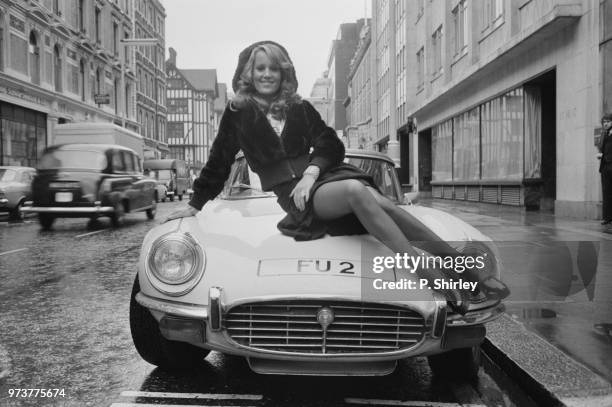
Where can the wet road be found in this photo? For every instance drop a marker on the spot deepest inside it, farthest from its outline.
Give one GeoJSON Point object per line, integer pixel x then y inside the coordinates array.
{"type": "Point", "coordinates": [64, 300]}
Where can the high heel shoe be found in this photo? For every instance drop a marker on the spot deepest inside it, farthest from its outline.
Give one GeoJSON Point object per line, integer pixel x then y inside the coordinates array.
{"type": "Point", "coordinates": [457, 300]}
{"type": "Point", "coordinates": [493, 288]}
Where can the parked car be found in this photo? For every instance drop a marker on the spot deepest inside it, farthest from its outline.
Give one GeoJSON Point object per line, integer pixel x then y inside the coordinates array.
{"type": "Point", "coordinates": [89, 181]}
{"type": "Point", "coordinates": [171, 173]}
{"type": "Point", "coordinates": [15, 189]}
{"type": "Point", "coordinates": [228, 280]}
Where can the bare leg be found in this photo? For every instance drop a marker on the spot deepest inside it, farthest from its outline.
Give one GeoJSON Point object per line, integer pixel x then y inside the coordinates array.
{"type": "Point", "coordinates": [415, 231]}
{"type": "Point", "coordinates": [420, 236]}
{"type": "Point", "coordinates": [336, 199]}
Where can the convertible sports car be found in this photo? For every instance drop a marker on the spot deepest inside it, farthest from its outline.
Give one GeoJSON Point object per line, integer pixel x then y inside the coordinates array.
{"type": "Point", "coordinates": [228, 280]}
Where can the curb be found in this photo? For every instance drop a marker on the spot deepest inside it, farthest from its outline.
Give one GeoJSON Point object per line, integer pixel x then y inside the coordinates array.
{"type": "Point", "coordinates": [544, 373]}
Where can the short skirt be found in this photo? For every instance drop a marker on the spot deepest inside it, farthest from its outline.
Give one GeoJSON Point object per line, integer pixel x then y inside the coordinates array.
{"type": "Point", "coordinates": [304, 225]}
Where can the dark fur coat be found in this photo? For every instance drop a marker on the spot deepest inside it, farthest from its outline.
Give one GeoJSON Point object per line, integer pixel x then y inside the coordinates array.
{"type": "Point", "coordinates": [275, 159]}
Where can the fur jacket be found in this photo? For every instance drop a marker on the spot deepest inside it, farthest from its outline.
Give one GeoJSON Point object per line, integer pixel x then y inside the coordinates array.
{"type": "Point", "coordinates": [305, 140]}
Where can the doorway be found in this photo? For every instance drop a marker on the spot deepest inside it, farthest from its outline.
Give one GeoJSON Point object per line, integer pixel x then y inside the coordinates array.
{"type": "Point", "coordinates": [425, 160]}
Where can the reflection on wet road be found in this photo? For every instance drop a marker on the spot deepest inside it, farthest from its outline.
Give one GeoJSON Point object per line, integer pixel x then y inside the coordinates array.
{"type": "Point", "coordinates": [64, 303]}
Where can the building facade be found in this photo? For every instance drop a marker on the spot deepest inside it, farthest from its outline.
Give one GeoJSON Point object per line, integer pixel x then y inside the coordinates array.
{"type": "Point", "coordinates": [192, 119]}
{"type": "Point", "coordinates": [502, 100]}
{"type": "Point", "coordinates": [340, 55]}
{"type": "Point", "coordinates": [149, 23]}
{"type": "Point", "coordinates": [359, 132]}
{"type": "Point", "coordinates": [319, 96]}
{"type": "Point", "coordinates": [63, 61]}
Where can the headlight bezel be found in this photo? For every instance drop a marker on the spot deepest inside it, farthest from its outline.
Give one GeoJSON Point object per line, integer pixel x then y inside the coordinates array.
{"type": "Point", "coordinates": [175, 289]}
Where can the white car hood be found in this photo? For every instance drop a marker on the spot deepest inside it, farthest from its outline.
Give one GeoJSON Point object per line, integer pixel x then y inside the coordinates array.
{"type": "Point", "coordinates": [248, 257]}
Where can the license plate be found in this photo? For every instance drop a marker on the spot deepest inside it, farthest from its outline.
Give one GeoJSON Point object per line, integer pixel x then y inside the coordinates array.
{"type": "Point", "coordinates": [275, 267]}
{"type": "Point", "coordinates": [63, 197]}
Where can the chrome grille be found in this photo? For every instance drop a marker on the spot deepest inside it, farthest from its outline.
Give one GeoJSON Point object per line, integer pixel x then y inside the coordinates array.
{"type": "Point", "coordinates": [292, 326]}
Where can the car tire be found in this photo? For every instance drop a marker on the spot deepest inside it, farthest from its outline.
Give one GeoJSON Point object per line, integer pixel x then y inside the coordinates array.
{"type": "Point", "coordinates": [16, 213]}
{"type": "Point", "coordinates": [153, 209]}
{"type": "Point", "coordinates": [118, 215]}
{"type": "Point", "coordinates": [46, 220]}
{"type": "Point", "coordinates": [163, 199]}
{"type": "Point", "coordinates": [462, 363]}
{"type": "Point", "coordinates": [180, 197]}
{"type": "Point", "coordinates": [153, 347]}
{"type": "Point", "coordinates": [171, 198]}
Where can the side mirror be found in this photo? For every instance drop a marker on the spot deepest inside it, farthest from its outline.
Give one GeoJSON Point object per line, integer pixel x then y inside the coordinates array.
{"type": "Point", "coordinates": [410, 198]}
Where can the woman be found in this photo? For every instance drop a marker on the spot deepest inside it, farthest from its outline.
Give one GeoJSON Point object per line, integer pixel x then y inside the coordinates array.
{"type": "Point", "coordinates": [275, 129]}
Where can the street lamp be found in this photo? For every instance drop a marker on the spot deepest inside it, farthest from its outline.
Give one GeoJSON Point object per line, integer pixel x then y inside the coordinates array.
{"type": "Point", "coordinates": [126, 42]}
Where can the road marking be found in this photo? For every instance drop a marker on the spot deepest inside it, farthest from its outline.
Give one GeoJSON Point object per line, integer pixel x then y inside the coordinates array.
{"type": "Point", "coordinates": [377, 402]}
{"type": "Point", "coordinates": [14, 251]}
{"type": "Point", "coordinates": [196, 396]}
{"type": "Point", "coordinates": [90, 233]}
{"type": "Point", "coordinates": [162, 405]}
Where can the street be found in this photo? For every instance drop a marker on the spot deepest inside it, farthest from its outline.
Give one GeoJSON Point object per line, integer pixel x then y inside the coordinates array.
{"type": "Point", "coordinates": [64, 303]}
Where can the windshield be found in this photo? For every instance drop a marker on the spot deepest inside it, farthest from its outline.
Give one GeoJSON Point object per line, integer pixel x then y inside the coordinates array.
{"type": "Point", "coordinates": [7, 175]}
{"type": "Point", "coordinates": [383, 173]}
{"type": "Point", "coordinates": [244, 183]}
{"type": "Point", "coordinates": [76, 159]}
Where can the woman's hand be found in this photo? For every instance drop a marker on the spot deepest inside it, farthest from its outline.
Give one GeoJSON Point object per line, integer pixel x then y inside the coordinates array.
{"type": "Point", "coordinates": [182, 213]}
{"type": "Point", "coordinates": [301, 192]}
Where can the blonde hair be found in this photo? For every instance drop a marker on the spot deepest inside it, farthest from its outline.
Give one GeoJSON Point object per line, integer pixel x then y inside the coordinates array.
{"type": "Point", "coordinates": [287, 94]}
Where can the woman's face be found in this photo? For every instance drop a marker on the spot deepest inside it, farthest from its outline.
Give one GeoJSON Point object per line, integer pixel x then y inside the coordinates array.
{"type": "Point", "coordinates": [266, 75]}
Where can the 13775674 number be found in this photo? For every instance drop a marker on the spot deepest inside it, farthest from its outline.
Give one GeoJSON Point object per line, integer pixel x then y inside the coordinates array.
{"type": "Point", "coordinates": [36, 393]}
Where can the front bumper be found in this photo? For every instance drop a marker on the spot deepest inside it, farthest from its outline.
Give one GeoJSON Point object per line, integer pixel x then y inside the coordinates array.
{"type": "Point", "coordinates": [68, 210]}
{"type": "Point", "coordinates": [202, 325]}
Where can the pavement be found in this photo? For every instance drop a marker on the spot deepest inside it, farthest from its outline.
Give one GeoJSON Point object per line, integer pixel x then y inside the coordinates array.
{"type": "Point", "coordinates": [555, 339]}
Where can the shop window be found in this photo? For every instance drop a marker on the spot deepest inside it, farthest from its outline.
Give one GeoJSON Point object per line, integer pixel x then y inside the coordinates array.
{"type": "Point", "coordinates": [466, 146]}
{"type": "Point", "coordinates": [442, 151]}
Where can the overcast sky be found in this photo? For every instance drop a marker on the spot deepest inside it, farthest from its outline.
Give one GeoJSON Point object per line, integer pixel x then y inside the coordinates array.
{"type": "Point", "coordinates": [211, 33]}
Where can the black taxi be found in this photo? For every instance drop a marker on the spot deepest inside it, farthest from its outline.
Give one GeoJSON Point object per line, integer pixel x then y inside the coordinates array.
{"type": "Point", "coordinates": [90, 181]}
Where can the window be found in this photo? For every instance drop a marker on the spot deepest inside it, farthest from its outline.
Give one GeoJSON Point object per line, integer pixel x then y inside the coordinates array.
{"type": "Point", "coordinates": [82, 79]}
{"type": "Point", "coordinates": [492, 10]}
{"type": "Point", "coordinates": [115, 39]}
{"type": "Point", "coordinates": [34, 54]}
{"type": "Point", "coordinates": [436, 42]}
{"type": "Point", "coordinates": [461, 26]}
{"type": "Point", "coordinates": [81, 16]}
{"type": "Point", "coordinates": [97, 26]}
{"type": "Point", "coordinates": [117, 161]}
{"type": "Point", "coordinates": [420, 68]}
{"type": "Point", "coordinates": [128, 159]}
{"type": "Point", "coordinates": [57, 67]}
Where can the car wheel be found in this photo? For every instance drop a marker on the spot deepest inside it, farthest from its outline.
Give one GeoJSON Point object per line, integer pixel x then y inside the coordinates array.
{"type": "Point", "coordinates": [152, 346]}
{"type": "Point", "coordinates": [171, 198]}
{"type": "Point", "coordinates": [152, 210]}
{"type": "Point", "coordinates": [46, 220]}
{"type": "Point", "coordinates": [118, 215]}
{"type": "Point", "coordinates": [460, 363]}
{"type": "Point", "coordinates": [16, 213]}
{"type": "Point", "coordinates": [180, 197]}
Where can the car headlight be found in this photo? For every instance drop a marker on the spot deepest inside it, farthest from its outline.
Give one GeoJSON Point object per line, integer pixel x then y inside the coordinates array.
{"type": "Point", "coordinates": [175, 264]}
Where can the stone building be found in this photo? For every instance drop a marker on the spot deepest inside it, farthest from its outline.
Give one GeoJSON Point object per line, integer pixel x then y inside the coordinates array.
{"type": "Point", "coordinates": [503, 98]}
{"type": "Point", "coordinates": [63, 61]}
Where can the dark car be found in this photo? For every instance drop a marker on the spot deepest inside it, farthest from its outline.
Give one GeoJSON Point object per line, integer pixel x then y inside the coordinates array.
{"type": "Point", "coordinates": [89, 181]}
{"type": "Point", "coordinates": [171, 173]}
{"type": "Point", "coordinates": [15, 189]}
